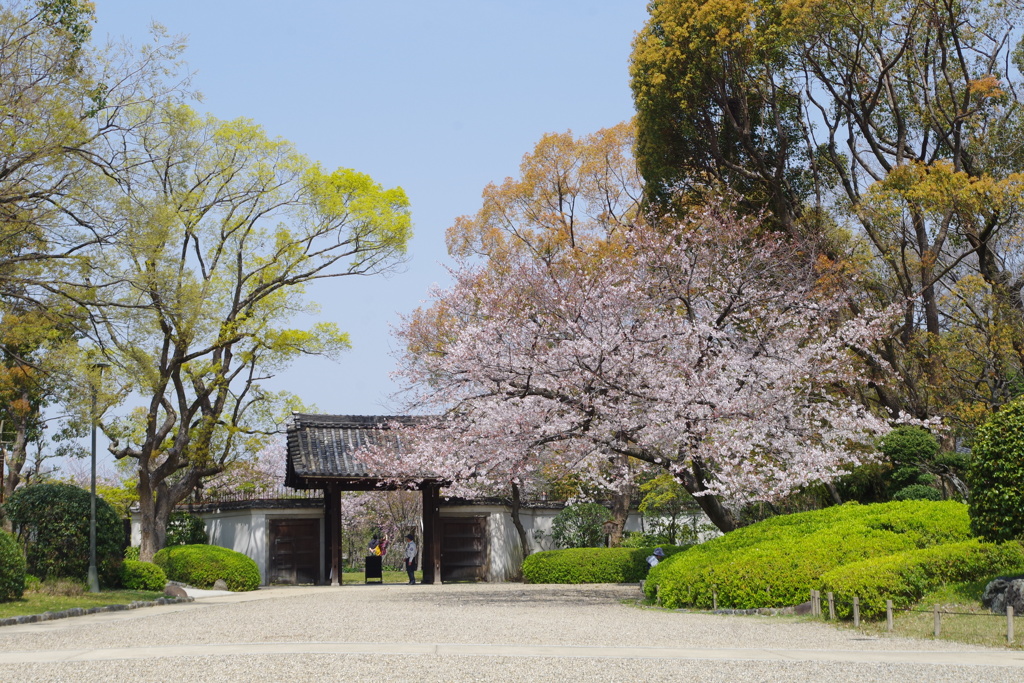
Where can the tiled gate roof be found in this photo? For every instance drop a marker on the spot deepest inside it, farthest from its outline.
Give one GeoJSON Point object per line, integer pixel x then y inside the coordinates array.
{"type": "Point", "coordinates": [321, 448]}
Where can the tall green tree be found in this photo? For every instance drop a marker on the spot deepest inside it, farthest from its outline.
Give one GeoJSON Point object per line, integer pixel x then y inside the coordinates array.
{"type": "Point", "coordinates": [45, 89]}
{"type": "Point", "coordinates": [889, 126]}
{"type": "Point", "coordinates": [717, 105]}
{"type": "Point", "coordinates": [63, 100]}
{"type": "Point", "coordinates": [219, 230]}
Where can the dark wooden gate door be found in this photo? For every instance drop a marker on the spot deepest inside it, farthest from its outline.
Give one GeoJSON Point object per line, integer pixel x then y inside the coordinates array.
{"type": "Point", "coordinates": [463, 548]}
{"type": "Point", "coordinates": [294, 550]}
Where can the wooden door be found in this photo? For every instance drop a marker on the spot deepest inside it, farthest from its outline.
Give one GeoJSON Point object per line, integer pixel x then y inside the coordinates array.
{"type": "Point", "coordinates": [463, 549]}
{"type": "Point", "coordinates": [294, 551]}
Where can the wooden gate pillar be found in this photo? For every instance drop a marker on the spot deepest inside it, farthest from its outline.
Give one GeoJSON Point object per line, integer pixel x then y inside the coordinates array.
{"type": "Point", "coordinates": [332, 535]}
{"type": "Point", "coordinates": [431, 533]}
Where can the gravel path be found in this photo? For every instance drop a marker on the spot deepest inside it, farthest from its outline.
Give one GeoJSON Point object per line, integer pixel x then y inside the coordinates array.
{"type": "Point", "coordinates": [468, 632]}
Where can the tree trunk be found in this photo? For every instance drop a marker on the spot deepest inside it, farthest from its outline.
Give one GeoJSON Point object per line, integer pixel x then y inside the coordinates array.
{"type": "Point", "coordinates": [517, 503]}
{"type": "Point", "coordinates": [621, 500]}
{"type": "Point", "coordinates": [694, 480]}
{"type": "Point", "coordinates": [716, 512]}
{"type": "Point", "coordinates": [620, 513]}
{"type": "Point", "coordinates": [833, 493]}
{"type": "Point", "coordinates": [17, 456]}
{"type": "Point", "coordinates": [155, 507]}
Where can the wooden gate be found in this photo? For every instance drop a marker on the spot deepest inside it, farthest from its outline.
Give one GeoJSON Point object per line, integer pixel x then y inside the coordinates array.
{"type": "Point", "coordinates": [294, 551]}
{"type": "Point", "coordinates": [463, 549]}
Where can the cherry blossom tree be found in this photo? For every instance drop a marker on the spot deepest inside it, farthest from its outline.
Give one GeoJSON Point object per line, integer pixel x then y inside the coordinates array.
{"type": "Point", "coordinates": [708, 348]}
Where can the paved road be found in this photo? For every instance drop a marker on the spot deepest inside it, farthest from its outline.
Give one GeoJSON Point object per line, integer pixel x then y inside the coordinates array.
{"type": "Point", "coordinates": [482, 632]}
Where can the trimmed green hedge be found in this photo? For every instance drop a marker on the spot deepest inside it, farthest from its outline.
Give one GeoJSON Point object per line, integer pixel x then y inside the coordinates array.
{"type": "Point", "coordinates": [776, 562]}
{"type": "Point", "coordinates": [905, 577]}
{"type": "Point", "coordinates": [995, 475]}
{"type": "Point", "coordinates": [591, 565]}
{"type": "Point", "coordinates": [12, 568]}
{"type": "Point", "coordinates": [202, 565]}
{"type": "Point", "coordinates": [51, 522]}
{"type": "Point", "coordinates": [143, 576]}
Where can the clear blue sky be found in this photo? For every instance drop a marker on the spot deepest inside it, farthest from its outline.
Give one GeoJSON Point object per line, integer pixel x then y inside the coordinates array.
{"type": "Point", "coordinates": [438, 97]}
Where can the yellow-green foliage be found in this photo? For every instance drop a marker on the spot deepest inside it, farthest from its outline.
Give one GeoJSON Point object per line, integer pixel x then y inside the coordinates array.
{"type": "Point", "coordinates": [202, 565]}
{"type": "Point", "coordinates": [12, 568]}
{"type": "Point", "coordinates": [143, 576]}
{"type": "Point", "coordinates": [591, 565]}
{"type": "Point", "coordinates": [905, 577]}
{"type": "Point", "coordinates": [776, 562]}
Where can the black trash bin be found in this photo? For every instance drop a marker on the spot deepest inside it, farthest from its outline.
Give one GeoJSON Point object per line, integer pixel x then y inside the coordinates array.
{"type": "Point", "coordinates": [373, 568]}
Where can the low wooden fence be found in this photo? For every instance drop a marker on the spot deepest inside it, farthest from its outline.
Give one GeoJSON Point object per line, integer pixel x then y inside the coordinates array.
{"type": "Point", "coordinates": [816, 610]}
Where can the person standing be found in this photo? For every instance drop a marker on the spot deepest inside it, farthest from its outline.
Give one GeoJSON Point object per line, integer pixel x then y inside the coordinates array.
{"type": "Point", "coordinates": [410, 558]}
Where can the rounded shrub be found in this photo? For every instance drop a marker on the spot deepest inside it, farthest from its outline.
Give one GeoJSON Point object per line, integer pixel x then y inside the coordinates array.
{"type": "Point", "coordinates": [995, 475]}
{"type": "Point", "coordinates": [909, 444]}
{"type": "Point", "coordinates": [776, 562]}
{"type": "Point", "coordinates": [591, 565]}
{"type": "Point", "coordinates": [904, 577]}
{"type": "Point", "coordinates": [580, 526]}
{"type": "Point", "coordinates": [202, 565]}
{"type": "Point", "coordinates": [12, 568]}
{"type": "Point", "coordinates": [51, 522]}
{"type": "Point", "coordinates": [142, 576]}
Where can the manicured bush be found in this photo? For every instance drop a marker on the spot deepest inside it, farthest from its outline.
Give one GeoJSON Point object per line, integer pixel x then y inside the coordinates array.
{"type": "Point", "coordinates": [904, 577]}
{"type": "Point", "coordinates": [142, 576]}
{"type": "Point", "coordinates": [184, 528]}
{"type": "Point", "coordinates": [580, 526]}
{"type": "Point", "coordinates": [995, 475]}
{"type": "Point", "coordinates": [12, 568]}
{"type": "Point", "coordinates": [51, 522]}
{"type": "Point", "coordinates": [776, 562]}
{"type": "Point", "coordinates": [202, 565]}
{"type": "Point", "coordinates": [909, 445]}
{"type": "Point", "coordinates": [591, 565]}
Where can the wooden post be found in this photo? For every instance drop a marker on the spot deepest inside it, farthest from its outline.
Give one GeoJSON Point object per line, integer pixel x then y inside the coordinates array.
{"type": "Point", "coordinates": [325, 564]}
{"type": "Point", "coordinates": [888, 614]}
{"type": "Point", "coordinates": [335, 511]}
{"type": "Point", "coordinates": [330, 535]}
{"type": "Point", "coordinates": [431, 533]}
{"type": "Point", "coordinates": [938, 621]}
{"type": "Point", "coordinates": [856, 611]}
{"type": "Point", "coordinates": [831, 606]}
{"type": "Point", "coordinates": [341, 544]}
{"type": "Point", "coordinates": [325, 551]}
{"type": "Point", "coordinates": [1009, 624]}
{"type": "Point", "coordinates": [714, 597]}
{"type": "Point", "coordinates": [816, 603]}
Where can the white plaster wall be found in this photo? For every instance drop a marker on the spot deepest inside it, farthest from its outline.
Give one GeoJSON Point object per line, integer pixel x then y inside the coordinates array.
{"type": "Point", "coordinates": [248, 532]}
{"type": "Point", "coordinates": [245, 531]}
{"type": "Point", "coordinates": [504, 556]}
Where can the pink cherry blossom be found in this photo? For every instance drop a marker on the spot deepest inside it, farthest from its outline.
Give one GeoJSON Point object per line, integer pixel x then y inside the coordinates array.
{"type": "Point", "coordinates": [706, 348]}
